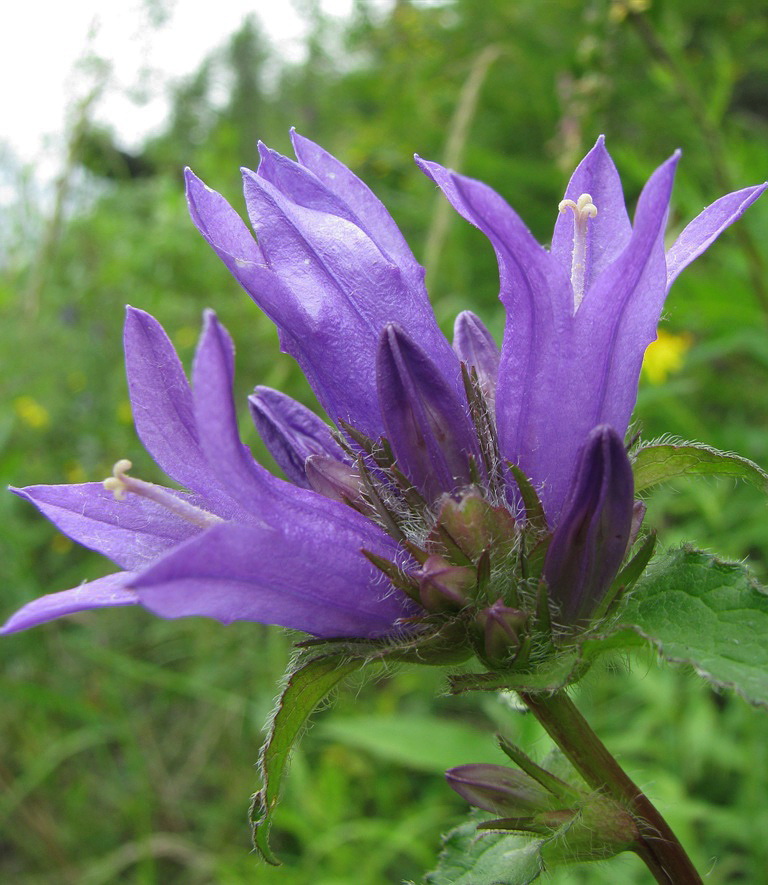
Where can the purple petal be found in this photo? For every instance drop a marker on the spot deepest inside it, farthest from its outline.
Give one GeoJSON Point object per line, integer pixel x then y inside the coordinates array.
{"type": "Point", "coordinates": [367, 208]}
{"type": "Point", "coordinates": [474, 345]}
{"type": "Point", "coordinates": [538, 348]}
{"type": "Point", "coordinates": [304, 575]}
{"type": "Point", "coordinates": [618, 318]}
{"type": "Point", "coordinates": [348, 289]}
{"type": "Point", "coordinates": [162, 409]}
{"type": "Point", "coordinates": [132, 533]}
{"type": "Point", "coordinates": [291, 432]}
{"type": "Point", "coordinates": [498, 789]}
{"type": "Point", "coordinates": [213, 373]}
{"type": "Point", "coordinates": [426, 418]}
{"type": "Point", "coordinates": [609, 230]}
{"type": "Point", "coordinates": [591, 538]}
{"type": "Point", "coordinates": [301, 186]}
{"type": "Point", "coordinates": [593, 374]}
{"type": "Point", "coordinates": [230, 238]}
{"type": "Point", "coordinates": [699, 235]}
{"type": "Point", "coordinates": [218, 222]}
{"type": "Point", "coordinates": [106, 592]}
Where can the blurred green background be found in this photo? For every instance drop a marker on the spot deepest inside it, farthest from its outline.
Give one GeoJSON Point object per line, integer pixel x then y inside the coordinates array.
{"type": "Point", "coordinates": [129, 742]}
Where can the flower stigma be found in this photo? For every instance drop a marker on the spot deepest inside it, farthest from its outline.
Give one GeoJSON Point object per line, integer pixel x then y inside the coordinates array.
{"type": "Point", "coordinates": [120, 483]}
{"type": "Point", "coordinates": [583, 209]}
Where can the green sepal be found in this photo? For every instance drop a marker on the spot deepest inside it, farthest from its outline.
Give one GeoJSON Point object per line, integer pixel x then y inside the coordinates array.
{"type": "Point", "coordinates": [628, 576]}
{"type": "Point", "coordinates": [396, 575]}
{"type": "Point", "coordinates": [658, 462]}
{"type": "Point", "coordinates": [549, 781]}
{"type": "Point", "coordinates": [534, 509]}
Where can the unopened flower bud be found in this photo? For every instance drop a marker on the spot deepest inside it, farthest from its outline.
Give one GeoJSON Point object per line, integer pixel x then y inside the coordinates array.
{"type": "Point", "coordinates": [474, 345]}
{"type": "Point", "coordinates": [499, 789]}
{"type": "Point", "coordinates": [442, 586]}
{"type": "Point", "coordinates": [592, 535]}
{"type": "Point", "coordinates": [475, 524]}
{"type": "Point", "coordinates": [333, 478]}
{"type": "Point", "coordinates": [424, 415]}
{"type": "Point", "coordinates": [502, 627]}
{"type": "Point", "coordinates": [291, 432]}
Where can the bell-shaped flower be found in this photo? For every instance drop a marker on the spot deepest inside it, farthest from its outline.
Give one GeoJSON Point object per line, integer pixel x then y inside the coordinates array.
{"type": "Point", "coordinates": [330, 268]}
{"type": "Point", "coordinates": [242, 544]}
{"type": "Point", "coordinates": [579, 317]}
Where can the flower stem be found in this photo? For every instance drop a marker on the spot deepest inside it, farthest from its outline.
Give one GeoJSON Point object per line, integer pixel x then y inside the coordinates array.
{"type": "Point", "coordinates": [658, 846]}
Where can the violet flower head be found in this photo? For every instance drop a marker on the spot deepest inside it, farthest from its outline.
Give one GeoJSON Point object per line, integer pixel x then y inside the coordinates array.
{"type": "Point", "coordinates": [241, 544]}
{"type": "Point", "coordinates": [410, 510]}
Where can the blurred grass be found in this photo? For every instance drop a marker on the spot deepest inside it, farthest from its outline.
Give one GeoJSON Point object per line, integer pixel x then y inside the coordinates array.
{"type": "Point", "coordinates": [129, 742]}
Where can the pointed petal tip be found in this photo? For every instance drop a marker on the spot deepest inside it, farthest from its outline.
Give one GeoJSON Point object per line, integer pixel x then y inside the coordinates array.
{"type": "Point", "coordinates": [428, 167]}
{"type": "Point", "coordinates": [210, 318]}
{"type": "Point", "coordinates": [193, 184]}
{"type": "Point", "coordinates": [136, 313]}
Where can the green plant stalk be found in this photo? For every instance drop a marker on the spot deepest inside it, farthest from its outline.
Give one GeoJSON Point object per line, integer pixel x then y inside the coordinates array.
{"type": "Point", "coordinates": [658, 846]}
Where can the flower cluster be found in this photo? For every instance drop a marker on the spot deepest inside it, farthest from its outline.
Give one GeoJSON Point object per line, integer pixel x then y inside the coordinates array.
{"type": "Point", "coordinates": [461, 481]}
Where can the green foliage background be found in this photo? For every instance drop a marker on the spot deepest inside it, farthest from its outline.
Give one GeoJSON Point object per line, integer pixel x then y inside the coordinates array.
{"type": "Point", "coordinates": [129, 742]}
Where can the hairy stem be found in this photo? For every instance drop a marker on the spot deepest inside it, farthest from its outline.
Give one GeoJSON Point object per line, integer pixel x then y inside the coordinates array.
{"type": "Point", "coordinates": [658, 846]}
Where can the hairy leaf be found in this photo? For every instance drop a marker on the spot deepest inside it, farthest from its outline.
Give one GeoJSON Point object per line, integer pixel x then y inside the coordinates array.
{"type": "Point", "coordinates": [713, 615]}
{"type": "Point", "coordinates": [469, 858]}
{"type": "Point", "coordinates": [658, 463]}
{"type": "Point", "coordinates": [307, 685]}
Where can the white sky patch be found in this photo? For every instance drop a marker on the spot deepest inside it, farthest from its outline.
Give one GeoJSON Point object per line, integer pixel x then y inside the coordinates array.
{"type": "Point", "coordinates": [43, 41]}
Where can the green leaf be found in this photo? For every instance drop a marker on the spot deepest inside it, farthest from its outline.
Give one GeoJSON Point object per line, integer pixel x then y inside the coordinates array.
{"type": "Point", "coordinates": [713, 615]}
{"type": "Point", "coordinates": [469, 858]}
{"type": "Point", "coordinates": [308, 683]}
{"type": "Point", "coordinates": [654, 464]}
{"type": "Point", "coordinates": [311, 677]}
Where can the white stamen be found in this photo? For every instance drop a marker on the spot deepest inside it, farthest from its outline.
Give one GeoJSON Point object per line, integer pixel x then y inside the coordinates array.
{"type": "Point", "coordinates": [583, 209]}
{"type": "Point", "coordinates": [117, 483]}
{"type": "Point", "coordinates": [120, 483]}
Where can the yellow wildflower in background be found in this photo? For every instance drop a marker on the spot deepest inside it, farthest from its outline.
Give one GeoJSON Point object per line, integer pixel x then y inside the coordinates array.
{"type": "Point", "coordinates": [665, 355]}
{"type": "Point", "coordinates": [31, 412]}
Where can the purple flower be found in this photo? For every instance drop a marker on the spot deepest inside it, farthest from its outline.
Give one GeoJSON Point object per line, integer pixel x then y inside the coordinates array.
{"type": "Point", "coordinates": [580, 316]}
{"type": "Point", "coordinates": [412, 490]}
{"type": "Point", "coordinates": [241, 544]}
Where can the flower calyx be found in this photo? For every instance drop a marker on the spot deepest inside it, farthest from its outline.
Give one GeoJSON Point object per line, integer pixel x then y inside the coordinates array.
{"type": "Point", "coordinates": [577, 825]}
